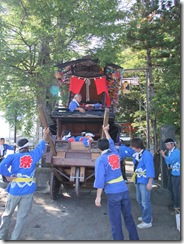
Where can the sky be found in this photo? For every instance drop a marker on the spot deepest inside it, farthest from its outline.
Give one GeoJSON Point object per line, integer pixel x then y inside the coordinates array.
{"type": "Point", "coordinates": [4, 127]}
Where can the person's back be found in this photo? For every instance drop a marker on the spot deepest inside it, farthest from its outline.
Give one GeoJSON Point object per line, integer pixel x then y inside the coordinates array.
{"type": "Point", "coordinates": [22, 165]}
{"type": "Point", "coordinates": [19, 169]}
{"type": "Point", "coordinates": [109, 164]}
{"type": "Point", "coordinates": [108, 176]}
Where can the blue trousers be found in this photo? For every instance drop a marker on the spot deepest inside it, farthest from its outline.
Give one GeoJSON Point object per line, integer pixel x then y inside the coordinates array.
{"type": "Point", "coordinates": [143, 198]}
{"type": "Point", "coordinates": [119, 203]}
{"type": "Point", "coordinates": [176, 190]}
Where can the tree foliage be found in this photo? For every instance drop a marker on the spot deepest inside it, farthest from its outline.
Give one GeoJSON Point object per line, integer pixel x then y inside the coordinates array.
{"type": "Point", "coordinates": [36, 35]}
{"type": "Point", "coordinates": [153, 32]}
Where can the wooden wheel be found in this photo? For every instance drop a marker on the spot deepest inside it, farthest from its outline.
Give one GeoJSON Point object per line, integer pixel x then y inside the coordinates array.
{"type": "Point", "coordinates": [54, 186]}
{"type": "Point", "coordinates": [77, 179]}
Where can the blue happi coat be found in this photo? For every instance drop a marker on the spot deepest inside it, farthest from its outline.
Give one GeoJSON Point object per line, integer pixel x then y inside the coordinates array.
{"type": "Point", "coordinates": [22, 165]}
{"type": "Point", "coordinates": [107, 168]}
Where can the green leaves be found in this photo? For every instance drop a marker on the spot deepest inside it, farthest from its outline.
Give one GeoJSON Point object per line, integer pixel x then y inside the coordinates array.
{"type": "Point", "coordinates": [153, 35]}
{"type": "Point", "coordinates": [36, 35]}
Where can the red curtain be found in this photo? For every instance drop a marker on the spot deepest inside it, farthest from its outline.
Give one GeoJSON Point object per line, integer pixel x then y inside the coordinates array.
{"type": "Point", "coordinates": [76, 84]}
{"type": "Point", "coordinates": [101, 86]}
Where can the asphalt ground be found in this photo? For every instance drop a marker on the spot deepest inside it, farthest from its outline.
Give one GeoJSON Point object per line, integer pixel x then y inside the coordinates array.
{"type": "Point", "coordinates": [76, 218]}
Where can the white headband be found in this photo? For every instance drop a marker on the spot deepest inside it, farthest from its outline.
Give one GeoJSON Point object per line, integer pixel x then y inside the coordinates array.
{"type": "Point", "coordinates": [69, 134]}
{"type": "Point", "coordinates": [26, 145]}
{"type": "Point", "coordinates": [89, 134]}
{"type": "Point", "coordinates": [66, 136]}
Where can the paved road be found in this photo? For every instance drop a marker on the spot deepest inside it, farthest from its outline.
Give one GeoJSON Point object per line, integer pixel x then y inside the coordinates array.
{"type": "Point", "coordinates": [77, 218]}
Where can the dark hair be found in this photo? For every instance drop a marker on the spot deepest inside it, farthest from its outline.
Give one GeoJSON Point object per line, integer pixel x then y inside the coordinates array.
{"type": "Point", "coordinates": [137, 143]}
{"type": "Point", "coordinates": [169, 140]}
{"type": "Point", "coordinates": [24, 149]}
{"type": "Point", "coordinates": [22, 142]}
{"type": "Point", "coordinates": [103, 144]}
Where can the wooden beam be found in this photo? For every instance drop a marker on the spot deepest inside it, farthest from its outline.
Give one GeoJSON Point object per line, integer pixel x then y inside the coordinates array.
{"type": "Point", "coordinates": [44, 124]}
{"type": "Point", "coordinates": [82, 174]}
{"type": "Point", "coordinates": [105, 120]}
{"type": "Point", "coordinates": [72, 173]}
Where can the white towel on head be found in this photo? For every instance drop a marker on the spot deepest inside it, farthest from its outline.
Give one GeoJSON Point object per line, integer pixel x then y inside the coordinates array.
{"type": "Point", "coordinates": [89, 134]}
{"type": "Point", "coordinates": [66, 136]}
